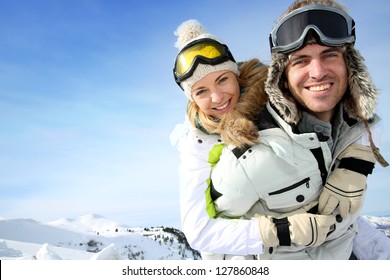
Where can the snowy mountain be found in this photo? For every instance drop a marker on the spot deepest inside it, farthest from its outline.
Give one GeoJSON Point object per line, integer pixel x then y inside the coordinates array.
{"type": "Point", "coordinates": [97, 238]}
{"type": "Point", "coordinates": [90, 237]}
{"type": "Point", "coordinates": [381, 223]}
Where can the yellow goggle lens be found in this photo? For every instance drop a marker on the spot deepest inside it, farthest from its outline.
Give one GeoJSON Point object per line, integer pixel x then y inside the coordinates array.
{"type": "Point", "coordinates": [186, 58]}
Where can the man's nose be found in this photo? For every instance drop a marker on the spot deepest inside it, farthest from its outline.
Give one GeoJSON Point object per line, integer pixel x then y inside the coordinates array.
{"type": "Point", "coordinates": [317, 69]}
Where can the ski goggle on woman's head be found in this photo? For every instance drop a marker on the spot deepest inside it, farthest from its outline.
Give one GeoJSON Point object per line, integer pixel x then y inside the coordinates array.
{"type": "Point", "coordinates": [332, 26]}
{"type": "Point", "coordinates": [206, 51]}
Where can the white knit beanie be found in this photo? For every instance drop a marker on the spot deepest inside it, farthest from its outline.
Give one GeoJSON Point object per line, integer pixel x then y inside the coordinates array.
{"type": "Point", "coordinates": [188, 32]}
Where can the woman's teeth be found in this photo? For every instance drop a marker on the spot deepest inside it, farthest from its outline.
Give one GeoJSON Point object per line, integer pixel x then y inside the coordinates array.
{"type": "Point", "coordinates": [223, 106]}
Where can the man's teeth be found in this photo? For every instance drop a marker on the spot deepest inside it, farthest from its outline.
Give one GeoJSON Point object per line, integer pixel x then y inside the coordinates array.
{"type": "Point", "coordinates": [319, 88]}
{"type": "Point", "coordinates": [223, 106]}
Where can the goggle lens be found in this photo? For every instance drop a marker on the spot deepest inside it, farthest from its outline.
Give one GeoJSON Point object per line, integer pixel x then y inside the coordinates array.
{"type": "Point", "coordinates": [204, 50]}
{"type": "Point", "coordinates": [332, 26]}
{"type": "Point", "coordinates": [186, 58]}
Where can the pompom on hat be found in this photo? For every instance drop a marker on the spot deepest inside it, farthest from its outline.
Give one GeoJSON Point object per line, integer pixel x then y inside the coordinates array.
{"type": "Point", "coordinates": [192, 30]}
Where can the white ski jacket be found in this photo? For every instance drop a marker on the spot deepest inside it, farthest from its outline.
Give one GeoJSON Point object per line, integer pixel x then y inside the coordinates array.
{"type": "Point", "coordinates": [283, 173]}
{"type": "Point", "coordinates": [200, 223]}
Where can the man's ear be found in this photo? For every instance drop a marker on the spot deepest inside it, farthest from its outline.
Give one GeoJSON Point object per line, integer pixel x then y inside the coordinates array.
{"type": "Point", "coordinates": [285, 85]}
{"type": "Point", "coordinates": [284, 82]}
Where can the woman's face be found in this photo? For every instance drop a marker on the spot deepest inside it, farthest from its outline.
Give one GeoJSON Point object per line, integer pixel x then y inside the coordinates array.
{"type": "Point", "coordinates": [216, 93]}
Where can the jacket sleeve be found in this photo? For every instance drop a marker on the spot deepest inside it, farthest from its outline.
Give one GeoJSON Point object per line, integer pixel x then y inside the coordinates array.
{"type": "Point", "coordinates": [371, 243]}
{"type": "Point", "coordinates": [204, 233]}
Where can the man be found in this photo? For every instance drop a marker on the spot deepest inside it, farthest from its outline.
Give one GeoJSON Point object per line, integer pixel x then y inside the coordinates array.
{"type": "Point", "coordinates": [318, 83]}
{"type": "Point", "coordinates": [318, 122]}
{"type": "Point", "coordinates": [271, 173]}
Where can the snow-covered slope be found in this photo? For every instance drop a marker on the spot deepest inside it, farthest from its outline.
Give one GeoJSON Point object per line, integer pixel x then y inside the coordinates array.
{"type": "Point", "coordinates": [95, 237]}
{"type": "Point", "coordinates": [89, 237]}
{"type": "Point", "coordinates": [381, 223]}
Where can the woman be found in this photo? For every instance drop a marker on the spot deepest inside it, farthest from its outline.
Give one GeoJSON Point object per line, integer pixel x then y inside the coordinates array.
{"type": "Point", "coordinates": [212, 86]}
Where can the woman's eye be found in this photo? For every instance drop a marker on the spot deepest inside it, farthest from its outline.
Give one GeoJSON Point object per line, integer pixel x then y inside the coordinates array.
{"type": "Point", "coordinates": [223, 79]}
{"type": "Point", "coordinates": [200, 92]}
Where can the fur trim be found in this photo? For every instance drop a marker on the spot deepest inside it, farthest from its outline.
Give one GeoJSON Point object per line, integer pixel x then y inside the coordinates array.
{"type": "Point", "coordinates": [360, 104]}
{"type": "Point", "coordinates": [284, 104]}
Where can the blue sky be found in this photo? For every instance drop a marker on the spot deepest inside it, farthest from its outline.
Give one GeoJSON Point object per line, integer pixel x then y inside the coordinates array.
{"type": "Point", "coordinates": [87, 100]}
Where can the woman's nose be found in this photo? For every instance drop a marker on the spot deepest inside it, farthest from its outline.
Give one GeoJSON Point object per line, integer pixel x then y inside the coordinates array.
{"type": "Point", "coordinates": [216, 96]}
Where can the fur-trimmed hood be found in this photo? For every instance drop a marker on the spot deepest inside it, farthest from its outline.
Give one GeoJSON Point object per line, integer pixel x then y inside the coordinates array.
{"type": "Point", "coordinates": [359, 101]}
{"type": "Point", "coordinates": [361, 96]}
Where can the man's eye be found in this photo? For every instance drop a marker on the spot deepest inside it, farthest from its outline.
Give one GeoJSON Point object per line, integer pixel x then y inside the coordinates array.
{"type": "Point", "coordinates": [332, 54]}
{"type": "Point", "coordinates": [299, 62]}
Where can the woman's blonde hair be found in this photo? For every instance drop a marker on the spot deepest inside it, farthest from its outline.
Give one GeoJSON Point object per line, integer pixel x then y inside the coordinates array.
{"type": "Point", "coordinates": [251, 81]}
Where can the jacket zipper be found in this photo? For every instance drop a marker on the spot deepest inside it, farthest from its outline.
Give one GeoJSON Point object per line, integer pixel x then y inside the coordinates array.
{"type": "Point", "coordinates": [289, 188]}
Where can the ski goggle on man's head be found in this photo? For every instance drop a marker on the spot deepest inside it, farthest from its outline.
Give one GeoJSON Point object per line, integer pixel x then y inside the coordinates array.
{"type": "Point", "coordinates": [332, 26]}
{"type": "Point", "coordinates": [206, 51]}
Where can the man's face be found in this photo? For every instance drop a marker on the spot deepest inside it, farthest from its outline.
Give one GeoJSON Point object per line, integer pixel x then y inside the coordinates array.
{"type": "Point", "coordinates": [317, 78]}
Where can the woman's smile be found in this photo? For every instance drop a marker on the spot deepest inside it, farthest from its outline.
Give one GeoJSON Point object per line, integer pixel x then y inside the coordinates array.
{"type": "Point", "coordinates": [223, 107]}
